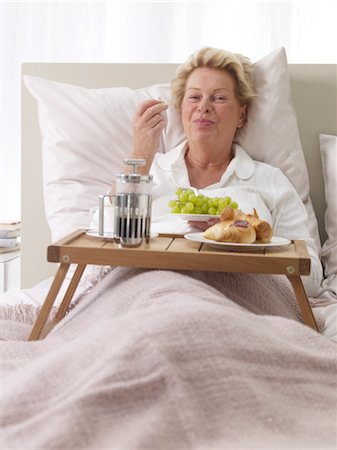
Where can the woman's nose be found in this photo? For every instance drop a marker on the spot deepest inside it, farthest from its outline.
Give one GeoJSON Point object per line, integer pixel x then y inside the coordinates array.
{"type": "Point", "coordinates": [205, 106]}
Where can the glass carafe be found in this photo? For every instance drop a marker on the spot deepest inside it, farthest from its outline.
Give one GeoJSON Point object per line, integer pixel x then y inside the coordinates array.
{"type": "Point", "coordinates": [132, 206]}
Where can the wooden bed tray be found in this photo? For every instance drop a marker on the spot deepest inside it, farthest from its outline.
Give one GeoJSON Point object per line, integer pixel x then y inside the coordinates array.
{"type": "Point", "coordinates": [170, 253]}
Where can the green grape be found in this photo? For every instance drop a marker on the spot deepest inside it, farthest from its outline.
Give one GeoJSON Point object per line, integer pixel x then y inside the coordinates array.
{"type": "Point", "coordinates": [187, 202]}
{"type": "Point", "coordinates": [199, 201]}
{"type": "Point", "coordinates": [189, 206]}
{"type": "Point", "coordinates": [204, 208]}
{"type": "Point", "coordinates": [192, 198]}
{"type": "Point", "coordinates": [222, 205]}
{"type": "Point", "coordinates": [172, 203]}
{"type": "Point", "coordinates": [183, 197]}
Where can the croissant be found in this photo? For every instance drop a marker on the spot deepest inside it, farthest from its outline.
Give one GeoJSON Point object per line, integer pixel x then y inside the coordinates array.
{"type": "Point", "coordinates": [231, 228]}
{"type": "Point", "coordinates": [263, 229]}
{"type": "Point", "coordinates": [239, 231]}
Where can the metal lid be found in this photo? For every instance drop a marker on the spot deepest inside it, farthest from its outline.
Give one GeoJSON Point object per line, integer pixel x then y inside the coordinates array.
{"type": "Point", "coordinates": [134, 177]}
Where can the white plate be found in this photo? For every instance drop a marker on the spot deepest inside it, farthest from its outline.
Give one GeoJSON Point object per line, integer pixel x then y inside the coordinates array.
{"type": "Point", "coordinates": [108, 234]}
{"type": "Point", "coordinates": [275, 242]}
{"type": "Point", "coordinates": [195, 217]}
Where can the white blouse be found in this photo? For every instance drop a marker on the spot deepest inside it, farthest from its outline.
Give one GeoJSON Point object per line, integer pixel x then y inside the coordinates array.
{"type": "Point", "coordinates": [251, 184]}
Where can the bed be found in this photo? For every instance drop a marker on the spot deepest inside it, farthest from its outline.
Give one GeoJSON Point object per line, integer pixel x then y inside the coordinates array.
{"type": "Point", "coordinates": [156, 358]}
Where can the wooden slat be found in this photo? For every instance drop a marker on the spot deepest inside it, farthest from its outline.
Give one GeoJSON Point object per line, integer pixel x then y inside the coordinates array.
{"type": "Point", "coordinates": [67, 240]}
{"type": "Point", "coordinates": [183, 245]}
{"type": "Point", "coordinates": [281, 251]}
{"type": "Point", "coordinates": [155, 245]}
{"type": "Point", "coordinates": [88, 241]}
{"type": "Point", "coordinates": [209, 248]}
{"type": "Point", "coordinates": [159, 244]}
{"type": "Point", "coordinates": [171, 235]}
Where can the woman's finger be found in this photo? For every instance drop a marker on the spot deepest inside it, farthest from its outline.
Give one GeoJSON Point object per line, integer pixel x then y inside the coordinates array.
{"type": "Point", "coordinates": [148, 108]}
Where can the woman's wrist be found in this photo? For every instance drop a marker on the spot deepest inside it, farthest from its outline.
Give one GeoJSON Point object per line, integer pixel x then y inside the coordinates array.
{"type": "Point", "coordinates": [144, 170]}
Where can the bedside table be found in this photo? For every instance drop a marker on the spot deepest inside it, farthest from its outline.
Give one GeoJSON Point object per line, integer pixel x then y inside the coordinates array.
{"type": "Point", "coordinates": [9, 271]}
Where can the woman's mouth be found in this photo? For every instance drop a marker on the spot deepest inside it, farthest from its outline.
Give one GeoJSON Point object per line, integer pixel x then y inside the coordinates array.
{"type": "Point", "coordinates": [203, 123]}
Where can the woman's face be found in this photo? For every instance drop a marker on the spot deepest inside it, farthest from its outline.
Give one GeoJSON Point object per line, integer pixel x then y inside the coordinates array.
{"type": "Point", "coordinates": [210, 111]}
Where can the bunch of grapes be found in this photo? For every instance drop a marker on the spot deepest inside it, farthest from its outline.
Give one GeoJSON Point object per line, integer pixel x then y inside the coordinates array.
{"type": "Point", "coordinates": [187, 202]}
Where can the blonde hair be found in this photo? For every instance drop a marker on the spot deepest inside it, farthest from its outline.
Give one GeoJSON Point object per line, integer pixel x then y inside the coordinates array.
{"type": "Point", "coordinates": [239, 66]}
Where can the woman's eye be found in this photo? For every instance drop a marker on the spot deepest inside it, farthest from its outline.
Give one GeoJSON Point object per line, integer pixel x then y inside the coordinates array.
{"type": "Point", "coordinates": [220, 98]}
{"type": "Point", "coordinates": [193, 98]}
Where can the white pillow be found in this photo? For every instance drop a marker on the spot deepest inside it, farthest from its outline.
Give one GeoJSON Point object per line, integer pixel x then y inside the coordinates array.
{"type": "Point", "coordinates": [87, 133]}
{"type": "Point", "coordinates": [271, 133]}
{"type": "Point", "coordinates": [328, 147]}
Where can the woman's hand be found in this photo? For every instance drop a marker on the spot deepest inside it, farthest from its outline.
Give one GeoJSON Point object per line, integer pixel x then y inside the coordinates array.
{"type": "Point", "coordinates": [148, 124]}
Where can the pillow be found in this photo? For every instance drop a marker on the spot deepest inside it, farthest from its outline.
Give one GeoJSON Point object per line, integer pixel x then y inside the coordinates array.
{"type": "Point", "coordinates": [87, 133]}
{"type": "Point", "coordinates": [271, 133]}
{"type": "Point", "coordinates": [328, 147]}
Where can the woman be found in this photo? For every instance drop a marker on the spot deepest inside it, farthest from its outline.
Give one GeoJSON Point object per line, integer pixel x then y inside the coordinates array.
{"type": "Point", "coordinates": [212, 92]}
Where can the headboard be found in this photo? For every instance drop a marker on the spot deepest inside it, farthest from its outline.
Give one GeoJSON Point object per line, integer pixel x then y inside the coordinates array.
{"type": "Point", "coordinates": [314, 91]}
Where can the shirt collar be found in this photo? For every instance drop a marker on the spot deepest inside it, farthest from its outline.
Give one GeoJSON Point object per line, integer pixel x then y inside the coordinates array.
{"type": "Point", "coordinates": [242, 164]}
{"type": "Point", "coordinates": [174, 157]}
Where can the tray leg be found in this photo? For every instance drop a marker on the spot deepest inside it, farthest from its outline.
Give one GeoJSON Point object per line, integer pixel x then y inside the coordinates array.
{"type": "Point", "coordinates": [61, 312]}
{"type": "Point", "coordinates": [48, 303]}
{"type": "Point", "coordinates": [302, 299]}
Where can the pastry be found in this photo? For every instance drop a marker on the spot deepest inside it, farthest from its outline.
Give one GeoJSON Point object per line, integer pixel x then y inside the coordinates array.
{"type": "Point", "coordinates": [236, 226]}
{"type": "Point", "coordinates": [238, 231]}
{"type": "Point", "coordinates": [263, 229]}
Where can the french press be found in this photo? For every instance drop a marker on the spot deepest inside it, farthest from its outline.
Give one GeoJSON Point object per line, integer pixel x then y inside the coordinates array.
{"type": "Point", "coordinates": [132, 206]}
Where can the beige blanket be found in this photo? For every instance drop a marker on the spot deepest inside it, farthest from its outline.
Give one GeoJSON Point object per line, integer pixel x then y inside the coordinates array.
{"type": "Point", "coordinates": [167, 360]}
